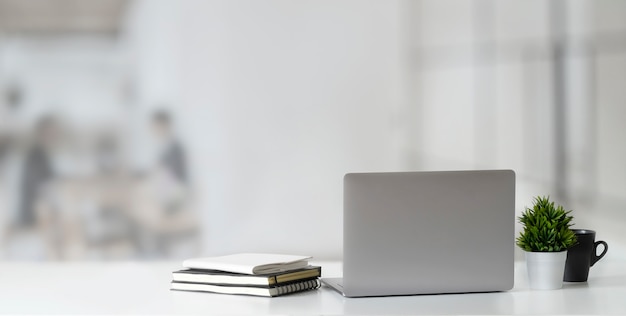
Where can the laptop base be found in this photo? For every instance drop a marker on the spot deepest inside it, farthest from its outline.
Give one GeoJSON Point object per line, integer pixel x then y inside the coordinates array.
{"type": "Point", "coordinates": [334, 283]}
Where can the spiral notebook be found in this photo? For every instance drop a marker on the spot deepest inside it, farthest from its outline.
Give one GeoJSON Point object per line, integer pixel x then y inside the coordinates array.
{"type": "Point", "coordinates": [238, 279]}
{"type": "Point", "coordinates": [295, 287]}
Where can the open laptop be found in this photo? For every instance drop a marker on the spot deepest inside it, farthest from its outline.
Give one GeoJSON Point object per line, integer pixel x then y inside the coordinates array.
{"type": "Point", "coordinates": [427, 233]}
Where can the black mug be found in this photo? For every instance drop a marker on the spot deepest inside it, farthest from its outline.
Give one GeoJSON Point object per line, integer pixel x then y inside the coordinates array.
{"type": "Point", "coordinates": [582, 256]}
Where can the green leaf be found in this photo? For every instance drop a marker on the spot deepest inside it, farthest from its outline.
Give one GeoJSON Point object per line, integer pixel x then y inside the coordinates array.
{"type": "Point", "coordinates": [546, 227]}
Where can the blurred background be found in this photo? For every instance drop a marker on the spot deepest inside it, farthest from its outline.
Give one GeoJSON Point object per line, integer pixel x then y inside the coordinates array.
{"type": "Point", "coordinates": [154, 129]}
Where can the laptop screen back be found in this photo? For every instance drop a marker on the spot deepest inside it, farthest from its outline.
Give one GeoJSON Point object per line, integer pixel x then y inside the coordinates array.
{"type": "Point", "coordinates": [428, 232]}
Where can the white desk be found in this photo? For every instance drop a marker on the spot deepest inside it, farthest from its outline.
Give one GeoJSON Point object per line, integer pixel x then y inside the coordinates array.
{"type": "Point", "coordinates": [143, 288]}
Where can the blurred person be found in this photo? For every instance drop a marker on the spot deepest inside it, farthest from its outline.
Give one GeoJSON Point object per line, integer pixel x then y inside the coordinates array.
{"type": "Point", "coordinates": [170, 173]}
{"type": "Point", "coordinates": [168, 223]}
{"type": "Point", "coordinates": [172, 158]}
{"type": "Point", "coordinates": [37, 171]}
{"type": "Point", "coordinates": [29, 230]}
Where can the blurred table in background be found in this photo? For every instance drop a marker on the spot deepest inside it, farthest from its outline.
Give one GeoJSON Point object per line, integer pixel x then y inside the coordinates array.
{"type": "Point", "coordinates": [115, 216]}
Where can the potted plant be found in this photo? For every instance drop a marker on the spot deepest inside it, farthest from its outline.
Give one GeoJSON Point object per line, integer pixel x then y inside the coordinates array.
{"type": "Point", "coordinates": [545, 238]}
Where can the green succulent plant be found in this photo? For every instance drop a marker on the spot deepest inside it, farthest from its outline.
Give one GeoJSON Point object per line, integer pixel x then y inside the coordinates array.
{"type": "Point", "coordinates": [546, 227]}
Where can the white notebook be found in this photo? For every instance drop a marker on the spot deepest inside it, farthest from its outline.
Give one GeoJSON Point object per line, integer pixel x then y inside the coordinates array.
{"type": "Point", "coordinates": [249, 263]}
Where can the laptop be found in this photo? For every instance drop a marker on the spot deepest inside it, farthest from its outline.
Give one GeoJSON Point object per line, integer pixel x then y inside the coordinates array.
{"type": "Point", "coordinates": [409, 233]}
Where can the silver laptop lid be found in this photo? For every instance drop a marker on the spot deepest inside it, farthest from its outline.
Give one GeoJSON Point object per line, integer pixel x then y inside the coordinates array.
{"type": "Point", "coordinates": [428, 232]}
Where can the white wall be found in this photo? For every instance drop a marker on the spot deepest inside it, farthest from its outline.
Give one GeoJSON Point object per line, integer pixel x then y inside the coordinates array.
{"type": "Point", "coordinates": [278, 99]}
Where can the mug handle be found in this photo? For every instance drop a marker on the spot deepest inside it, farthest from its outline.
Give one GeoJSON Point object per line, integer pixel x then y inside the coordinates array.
{"type": "Point", "coordinates": [595, 257]}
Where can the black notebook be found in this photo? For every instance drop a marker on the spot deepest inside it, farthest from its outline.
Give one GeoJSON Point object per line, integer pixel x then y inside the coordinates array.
{"type": "Point", "coordinates": [229, 278]}
{"type": "Point", "coordinates": [279, 290]}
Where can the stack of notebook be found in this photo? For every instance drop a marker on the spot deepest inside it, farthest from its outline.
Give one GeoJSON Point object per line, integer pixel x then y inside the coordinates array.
{"type": "Point", "coordinates": [248, 274]}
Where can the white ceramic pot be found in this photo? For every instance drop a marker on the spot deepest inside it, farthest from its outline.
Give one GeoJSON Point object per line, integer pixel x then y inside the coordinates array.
{"type": "Point", "coordinates": [545, 269]}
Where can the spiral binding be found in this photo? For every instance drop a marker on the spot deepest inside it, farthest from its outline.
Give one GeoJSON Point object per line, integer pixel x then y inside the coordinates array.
{"type": "Point", "coordinates": [298, 287]}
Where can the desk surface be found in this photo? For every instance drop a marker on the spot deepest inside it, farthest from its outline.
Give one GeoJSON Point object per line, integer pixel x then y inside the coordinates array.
{"type": "Point", "coordinates": [143, 288]}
